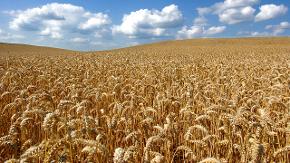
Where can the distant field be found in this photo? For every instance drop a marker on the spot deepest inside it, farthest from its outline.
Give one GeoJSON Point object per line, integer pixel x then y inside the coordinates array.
{"type": "Point", "coordinates": [200, 100]}
{"type": "Point", "coordinates": [28, 50]}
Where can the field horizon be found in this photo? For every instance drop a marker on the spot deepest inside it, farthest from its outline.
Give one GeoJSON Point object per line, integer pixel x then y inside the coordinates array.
{"type": "Point", "coordinates": [16, 47]}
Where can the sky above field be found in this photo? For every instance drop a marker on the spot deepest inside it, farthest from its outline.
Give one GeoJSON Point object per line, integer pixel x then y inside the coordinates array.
{"type": "Point", "coordinates": [107, 24]}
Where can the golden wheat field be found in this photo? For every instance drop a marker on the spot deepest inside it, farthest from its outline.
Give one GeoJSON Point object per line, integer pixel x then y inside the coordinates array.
{"type": "Point", "coordinates": [200, 100]}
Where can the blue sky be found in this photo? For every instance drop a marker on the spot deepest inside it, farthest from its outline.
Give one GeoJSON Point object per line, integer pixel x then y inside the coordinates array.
{"type": "Point", "coordinates": [107, 24]}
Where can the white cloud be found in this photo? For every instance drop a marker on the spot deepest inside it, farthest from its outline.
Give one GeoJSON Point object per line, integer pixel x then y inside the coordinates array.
{"type": "Point", "coordinates": [56, 19]}
{"type": "Point", "coordinates": [53, 30]}
{"type": "Point", "coordinates": [238, 3]}
{"type": "Point", "coordinates": [6, 36]}
{"type": "Point", "coordinates": [191, 32]}
{"type": "Point", "coordinates": [219, 7]}
{"type": "Point", "coordinates": [254, 33]}
{"type": "Point", "coordinates": [79, 40]}
{"type": "Point", "coordinates": [260, 34]}
{"type": "Point", "coordinates": [270, 11]}
{"type": "Point", "coordinates": [200, 21]}
{"type": "Point", "coordinates": [214, 30]}
{"type": "Point", "coordinates": [237, 15]}
{"type": "Point", "coordinates": [198, 31]}
{"type": "Point", "coordinates": [96, 21]}
{"type": "Point", "coordinates": [271, 30]}
{"type": "Point", "coordinates": [150, 23]}
{"type": "Point", "coordinates": [278, 29]}
{"type": "Point", "coordinates": [231, 11]}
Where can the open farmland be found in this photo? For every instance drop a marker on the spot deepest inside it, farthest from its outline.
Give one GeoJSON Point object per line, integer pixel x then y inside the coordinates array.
{"type": "Point", "coordinates": [200, 100]}
{"type": "Point", "coordinates": [29, 50]}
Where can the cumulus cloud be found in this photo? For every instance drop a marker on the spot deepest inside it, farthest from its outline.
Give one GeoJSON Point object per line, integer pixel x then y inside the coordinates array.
{"type": "Point", "coordinates": [231, 11]}
{"type": "Point", "coordinates": [200, 21]}
{"type": "Point", "coordinates": [198, 31]}
{"type": "Point", "coordinates": [6, 36]}
{"type": "Point", "coordinates": [79, 40]}
{"type": "Point", "coordinates": [214, 30]}
{"type": "Point", "coordinates": [278, 29]}
{"type": "Point", "coordinates": [189, 32]}
{"type": "Point", "coordinates": [270, 11]}
{"type": "Point", "coordinates": [237, 11]}
{"type": "Point", "coordinates": [149, 23]}
{"type": "Point", "coordinates": [237, 15]}
{"type": "Point", "coordinates": [261, 34]}
{"type": "Point", "coordinates": [270, 30]}
{"type": "Point", "coordinates": [238, 3]}
{"type": "Point", "coordinates": [95, 21]}
{"type": "Point", "coordinates": [55, 19]}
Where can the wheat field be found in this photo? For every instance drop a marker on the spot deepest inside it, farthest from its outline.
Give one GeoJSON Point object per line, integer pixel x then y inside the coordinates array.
{"type": "Point", "coordinates": [200, 100]}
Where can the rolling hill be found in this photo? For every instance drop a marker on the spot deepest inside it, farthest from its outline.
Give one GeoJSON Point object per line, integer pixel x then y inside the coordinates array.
{"type": "Point", "coordinates": [7, 49]}
{"type": "Point", "coordinates": [186, 46]}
